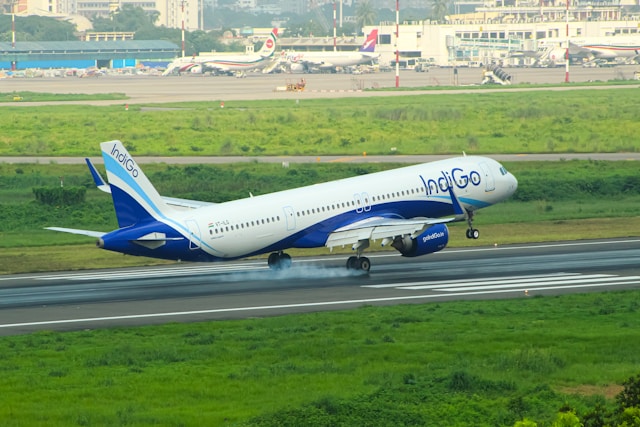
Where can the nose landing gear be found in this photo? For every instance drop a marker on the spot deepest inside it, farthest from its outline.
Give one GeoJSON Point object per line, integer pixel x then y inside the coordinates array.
{"type": "Point", "coordinates": [472, 233]}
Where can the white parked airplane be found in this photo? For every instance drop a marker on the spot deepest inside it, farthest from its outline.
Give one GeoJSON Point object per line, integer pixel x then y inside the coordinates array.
{"type": "Point", "coordinates": [609, 47]}
{"type": "Point", "coordinates": [226, 63]}
{"type": "Point", "coordinates": [331, 59]}
{"type": "Point", "coordinates": [407, 208]}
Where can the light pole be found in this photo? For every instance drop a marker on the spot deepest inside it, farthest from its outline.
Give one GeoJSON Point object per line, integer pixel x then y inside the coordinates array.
{"type": "Point", "coordinates": [397, 46]}
{"type": "Point", "coordinates": [182, 3]}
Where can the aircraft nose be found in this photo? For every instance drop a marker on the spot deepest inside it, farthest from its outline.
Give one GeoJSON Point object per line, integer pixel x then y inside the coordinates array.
{"type": "Point", "coordinates": [513, 184]}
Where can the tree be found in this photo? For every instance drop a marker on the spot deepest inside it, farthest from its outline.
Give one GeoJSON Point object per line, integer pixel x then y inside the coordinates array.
{"type": "Point", "coordinates": [36, 28]}
{"type": "Point", "coordinates": [629, 397]}
{"type": "Point", "coordinates": [127, 18]}
{"type": "Point", "coordinates": [439, 9]}
{"type": "Point", "coordinates": [365, 13]}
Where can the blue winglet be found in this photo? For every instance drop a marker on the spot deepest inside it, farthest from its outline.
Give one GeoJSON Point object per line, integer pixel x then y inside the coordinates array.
{"type": "Point", "coordinates": [97, 178]}
{"type": "Point", "coordinates": [457, 207]}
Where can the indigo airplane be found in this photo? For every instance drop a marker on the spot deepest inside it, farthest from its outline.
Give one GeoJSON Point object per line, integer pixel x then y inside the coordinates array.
{"type": "Point", "coordinates": [407, 208]}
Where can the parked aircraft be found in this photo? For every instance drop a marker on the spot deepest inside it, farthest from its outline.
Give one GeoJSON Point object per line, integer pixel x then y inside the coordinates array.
{"type": "Point", "coordinates": [406, 208]}
{"type": "Point", "coordinates": [331, 60]}
{"type": "Point", "coordinates": [226, 63]}
{"type": "Point", "coordinates": [609, 48]}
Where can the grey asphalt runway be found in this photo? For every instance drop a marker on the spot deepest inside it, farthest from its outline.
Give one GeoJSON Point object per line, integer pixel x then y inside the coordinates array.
{"type": "Point", "coordinates": [198, 292]}
{"type": "Point", "coordinates": [158, 89]}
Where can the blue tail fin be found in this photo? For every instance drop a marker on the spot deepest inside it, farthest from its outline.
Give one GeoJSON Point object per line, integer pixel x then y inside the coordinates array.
{"type": "Point", "coordinates": [134, 197]}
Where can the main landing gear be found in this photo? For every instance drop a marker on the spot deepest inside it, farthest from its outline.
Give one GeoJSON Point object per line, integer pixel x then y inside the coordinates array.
{"type": "Point", "coordinates": [472, 233]}
{"type": "Point", "coordinates": [359, 263]}
{"type": "Point", "coordinates": [282, 261]}
{"type": "Point", "coordinates": [279, 261]}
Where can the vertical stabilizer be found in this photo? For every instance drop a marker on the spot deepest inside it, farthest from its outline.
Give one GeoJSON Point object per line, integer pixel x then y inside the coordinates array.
{"type": "Point", "coordinates": [369, 44]}
{"type": "Point", "coordinates": [134, 197]}
{"type": "Point", "coordinates": [269, 46]}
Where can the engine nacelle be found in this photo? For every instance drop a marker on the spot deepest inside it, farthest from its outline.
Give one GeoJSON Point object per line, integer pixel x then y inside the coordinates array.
{"type": "Point", "coordinates": [432, 240]}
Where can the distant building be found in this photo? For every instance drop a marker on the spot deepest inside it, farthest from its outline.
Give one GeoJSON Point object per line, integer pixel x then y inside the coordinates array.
{"type": "Point", "coordinates": [495, 34]}
{"type": "Point", "coordinates": [78, 54]}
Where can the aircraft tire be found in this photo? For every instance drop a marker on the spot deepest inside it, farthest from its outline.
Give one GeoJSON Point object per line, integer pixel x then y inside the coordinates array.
{"type": "Point", "coordinates": [352, 263]}
{"type": "Point", "coordinates": [364, 264]}
{"type": "Point", "coordinates": [272, 261]}
{"type": "Point", "coordinates": [284, 261]}
{"type": "Point", "coordinates": [475, 233]}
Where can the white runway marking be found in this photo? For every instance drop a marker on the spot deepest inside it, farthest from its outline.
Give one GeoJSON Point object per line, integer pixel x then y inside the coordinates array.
{"type": "Point", "coordinates": [548, 281]}
{"type": "Point", "coordinates": [530, 283]}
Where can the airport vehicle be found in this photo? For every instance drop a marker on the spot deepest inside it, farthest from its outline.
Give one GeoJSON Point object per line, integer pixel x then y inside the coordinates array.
{"type": "Point", "coordinates": [226, 63]}
{"type": "Point", "coordinates": [407, 208]}
{"type": "Point", "coordinates": [330, 60]}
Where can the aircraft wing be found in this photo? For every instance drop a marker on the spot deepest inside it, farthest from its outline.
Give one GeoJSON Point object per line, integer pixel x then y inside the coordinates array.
{"type": "Point", "coordinates": [316, 63]}
{"type": "Point", "coordinates": [374, 228]}
{"type": "Point", "coordinates": [171, 201]}
{"type": "Point", "coordinates": [215, 66]}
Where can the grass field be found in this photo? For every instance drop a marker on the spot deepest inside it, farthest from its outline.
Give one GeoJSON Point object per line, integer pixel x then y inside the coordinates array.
{"type": "Point", "coordinates": [550, 121]}
{"type": "Point", "coordinates": [26, 96]}
{"type": "Point", "coordinates": [488, 363]}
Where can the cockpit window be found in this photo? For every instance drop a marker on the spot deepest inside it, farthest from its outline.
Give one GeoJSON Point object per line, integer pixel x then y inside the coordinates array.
{"type": "Point", "coordinates": [503, 171]}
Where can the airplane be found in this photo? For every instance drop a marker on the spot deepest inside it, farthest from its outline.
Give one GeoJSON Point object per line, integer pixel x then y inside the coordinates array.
{"type": "Point", "coordinates": [226, 63]}
{"type": "Point", "coordinates": [331, 60]}
{"type": "Point", "coordinates": [608, 48]}
{"type": "Point", "coordinates": [406, 208]}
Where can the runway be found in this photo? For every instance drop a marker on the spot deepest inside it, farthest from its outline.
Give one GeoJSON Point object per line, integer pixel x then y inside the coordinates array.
{"type": "Point", "coordinates": [188, 88]}
{"type": "Point", "coordinates": [199, 292]}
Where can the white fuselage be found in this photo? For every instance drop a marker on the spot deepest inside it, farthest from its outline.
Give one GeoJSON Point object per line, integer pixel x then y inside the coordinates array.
{"type": "Point", "coordinates": [304, 217]}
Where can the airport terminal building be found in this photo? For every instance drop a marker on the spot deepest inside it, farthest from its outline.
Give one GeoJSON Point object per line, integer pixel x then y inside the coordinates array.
{"type": "Point", "coordinates": [498, 34]}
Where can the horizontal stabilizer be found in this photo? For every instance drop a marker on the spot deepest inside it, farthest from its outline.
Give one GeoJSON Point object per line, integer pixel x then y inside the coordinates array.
{"type": "Point", "coordinates": [89, 233]}
{"type": "Point", "coordinates": [154, 240]}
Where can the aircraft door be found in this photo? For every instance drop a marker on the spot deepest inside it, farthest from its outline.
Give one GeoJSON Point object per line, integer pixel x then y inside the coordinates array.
{"type": "Point", "coordinates": [290, 218]}
{"type": "Point", "coordinates": [490, 183]}
{"type": "Point", "coordinates": [194, 234]}
{"type": "Point", "coordinates": [367, 202]}
{"type": "Point", "coordinates": [358, 200]}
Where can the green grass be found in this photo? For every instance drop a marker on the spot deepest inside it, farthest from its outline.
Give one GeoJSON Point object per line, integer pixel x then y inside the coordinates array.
{"type": "Point", "coordinates": [549, 121]}
{"type": "Point", "coordinates": [26, 96]}
{"type": "Point", "coordinates": [483, 363]}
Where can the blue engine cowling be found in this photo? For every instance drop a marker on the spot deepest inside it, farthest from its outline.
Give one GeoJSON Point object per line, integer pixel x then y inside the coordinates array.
{"type": "Point", "coordinates": [432, 240]}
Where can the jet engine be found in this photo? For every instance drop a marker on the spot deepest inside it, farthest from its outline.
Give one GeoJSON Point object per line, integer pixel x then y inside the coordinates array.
{"type": "Point", "coordinates": [431, 240]}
